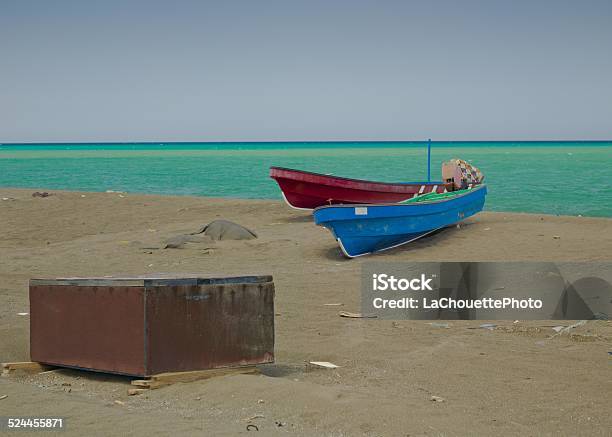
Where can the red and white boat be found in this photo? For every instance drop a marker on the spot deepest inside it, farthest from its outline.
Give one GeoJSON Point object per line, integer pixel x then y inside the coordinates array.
{"type": "Point", "coordinates": [306, 190]}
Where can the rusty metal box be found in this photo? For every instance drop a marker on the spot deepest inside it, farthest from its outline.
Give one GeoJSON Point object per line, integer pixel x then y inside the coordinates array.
{"type": "Point", "coordinates": [143, 326]}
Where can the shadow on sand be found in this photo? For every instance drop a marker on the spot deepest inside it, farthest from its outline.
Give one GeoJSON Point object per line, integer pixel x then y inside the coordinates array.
{"type": "Point", "coordinates": [306, 218]}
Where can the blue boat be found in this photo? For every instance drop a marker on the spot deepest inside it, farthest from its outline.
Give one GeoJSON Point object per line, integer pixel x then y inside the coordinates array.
{"type": "Point", "coordinates": [364, 229]}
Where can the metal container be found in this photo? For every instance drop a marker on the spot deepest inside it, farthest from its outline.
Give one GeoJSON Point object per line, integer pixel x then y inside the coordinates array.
{"type": "Point", "coordinates": [143, 326]}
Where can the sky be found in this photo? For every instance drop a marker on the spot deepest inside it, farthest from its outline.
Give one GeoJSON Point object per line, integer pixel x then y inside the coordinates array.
{"type": "Point", "coordinates": [80, 71]}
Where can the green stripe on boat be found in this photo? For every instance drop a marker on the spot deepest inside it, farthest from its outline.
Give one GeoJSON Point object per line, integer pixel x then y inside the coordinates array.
{"type": "Point", "coordinates": [435, 196]}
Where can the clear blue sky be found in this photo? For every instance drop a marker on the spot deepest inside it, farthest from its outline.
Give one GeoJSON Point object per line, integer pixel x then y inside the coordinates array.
{"type": "Point", "coordinates": [304, 70]}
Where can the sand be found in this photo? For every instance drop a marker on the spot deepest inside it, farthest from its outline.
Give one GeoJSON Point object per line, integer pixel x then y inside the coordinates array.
{"type": "Point", "coordinates": [514, 379]}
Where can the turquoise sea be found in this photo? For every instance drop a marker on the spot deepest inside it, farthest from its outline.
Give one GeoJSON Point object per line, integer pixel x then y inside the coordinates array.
{"type": "Point", "coordinates": [568, 178]}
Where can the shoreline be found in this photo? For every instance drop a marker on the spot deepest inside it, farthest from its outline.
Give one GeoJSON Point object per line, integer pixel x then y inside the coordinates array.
{"type": "Point", "coordinates": [21, 190]}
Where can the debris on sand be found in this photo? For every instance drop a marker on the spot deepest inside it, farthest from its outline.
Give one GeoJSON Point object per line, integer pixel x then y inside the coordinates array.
{"type": "Point", "coordinates": [3, 397]}
{"type": "Point", "coordinates": [338, 304]}
{"type": "Point", "coordinates": [439, 325]}
{"type": "Point", "coordinates": [47, 372]}
{"type": "Point", "coordinates": [567, 329]}
{"type": "Point", "coordinates": [324, 364]}
{"type": "Point", "coordinates": [41, 194]}
{"type": "Point", "coordinates": [226, 230]}
{"type": "Point", "coordinates": [437, 399]}
{"type": "Point", "coordinates": [256, 416]}
{"type": "Point", "coordinates": [356, 315]}
{"type": "Point", "coordinates": [488, 326]}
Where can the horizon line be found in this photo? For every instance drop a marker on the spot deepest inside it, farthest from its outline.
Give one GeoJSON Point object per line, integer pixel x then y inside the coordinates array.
{"type": "Point", "coordinates": [36, 143]}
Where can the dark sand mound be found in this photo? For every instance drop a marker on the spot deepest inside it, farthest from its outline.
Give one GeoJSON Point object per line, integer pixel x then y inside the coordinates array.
{"type": "Point", "coordinates": [226, 230]}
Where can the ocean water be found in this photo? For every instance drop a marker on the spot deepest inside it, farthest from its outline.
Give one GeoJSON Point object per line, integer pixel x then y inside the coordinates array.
{"type": "Point", "coordinates": [568, 178]}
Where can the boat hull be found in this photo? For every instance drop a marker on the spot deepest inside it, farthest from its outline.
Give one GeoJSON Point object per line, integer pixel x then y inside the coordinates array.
{"type": "Point", "coordinates": [364, 229]}
{"type": "Point", "coordinates": [306, 190]}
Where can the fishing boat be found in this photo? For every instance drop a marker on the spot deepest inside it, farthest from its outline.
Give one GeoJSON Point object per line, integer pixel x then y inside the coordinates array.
{"type": "Point", "coordinates": [364, 229]}
{"type": "Point", "coordinates": [307, 190]}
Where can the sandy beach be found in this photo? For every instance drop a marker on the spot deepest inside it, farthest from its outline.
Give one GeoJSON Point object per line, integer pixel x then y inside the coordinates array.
{"type": "Point", "coordinates": [514, 380]}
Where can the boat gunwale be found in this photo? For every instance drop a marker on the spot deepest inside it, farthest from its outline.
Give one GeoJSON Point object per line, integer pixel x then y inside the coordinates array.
{"type": "Point", "coordinates": [329, 176]}
{"type": "Point", "coordinates": [425, 202]}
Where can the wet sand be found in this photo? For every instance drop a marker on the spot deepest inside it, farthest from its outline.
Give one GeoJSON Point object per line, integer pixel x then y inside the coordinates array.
{"type": "Point", "coordinates": [515, 379]}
